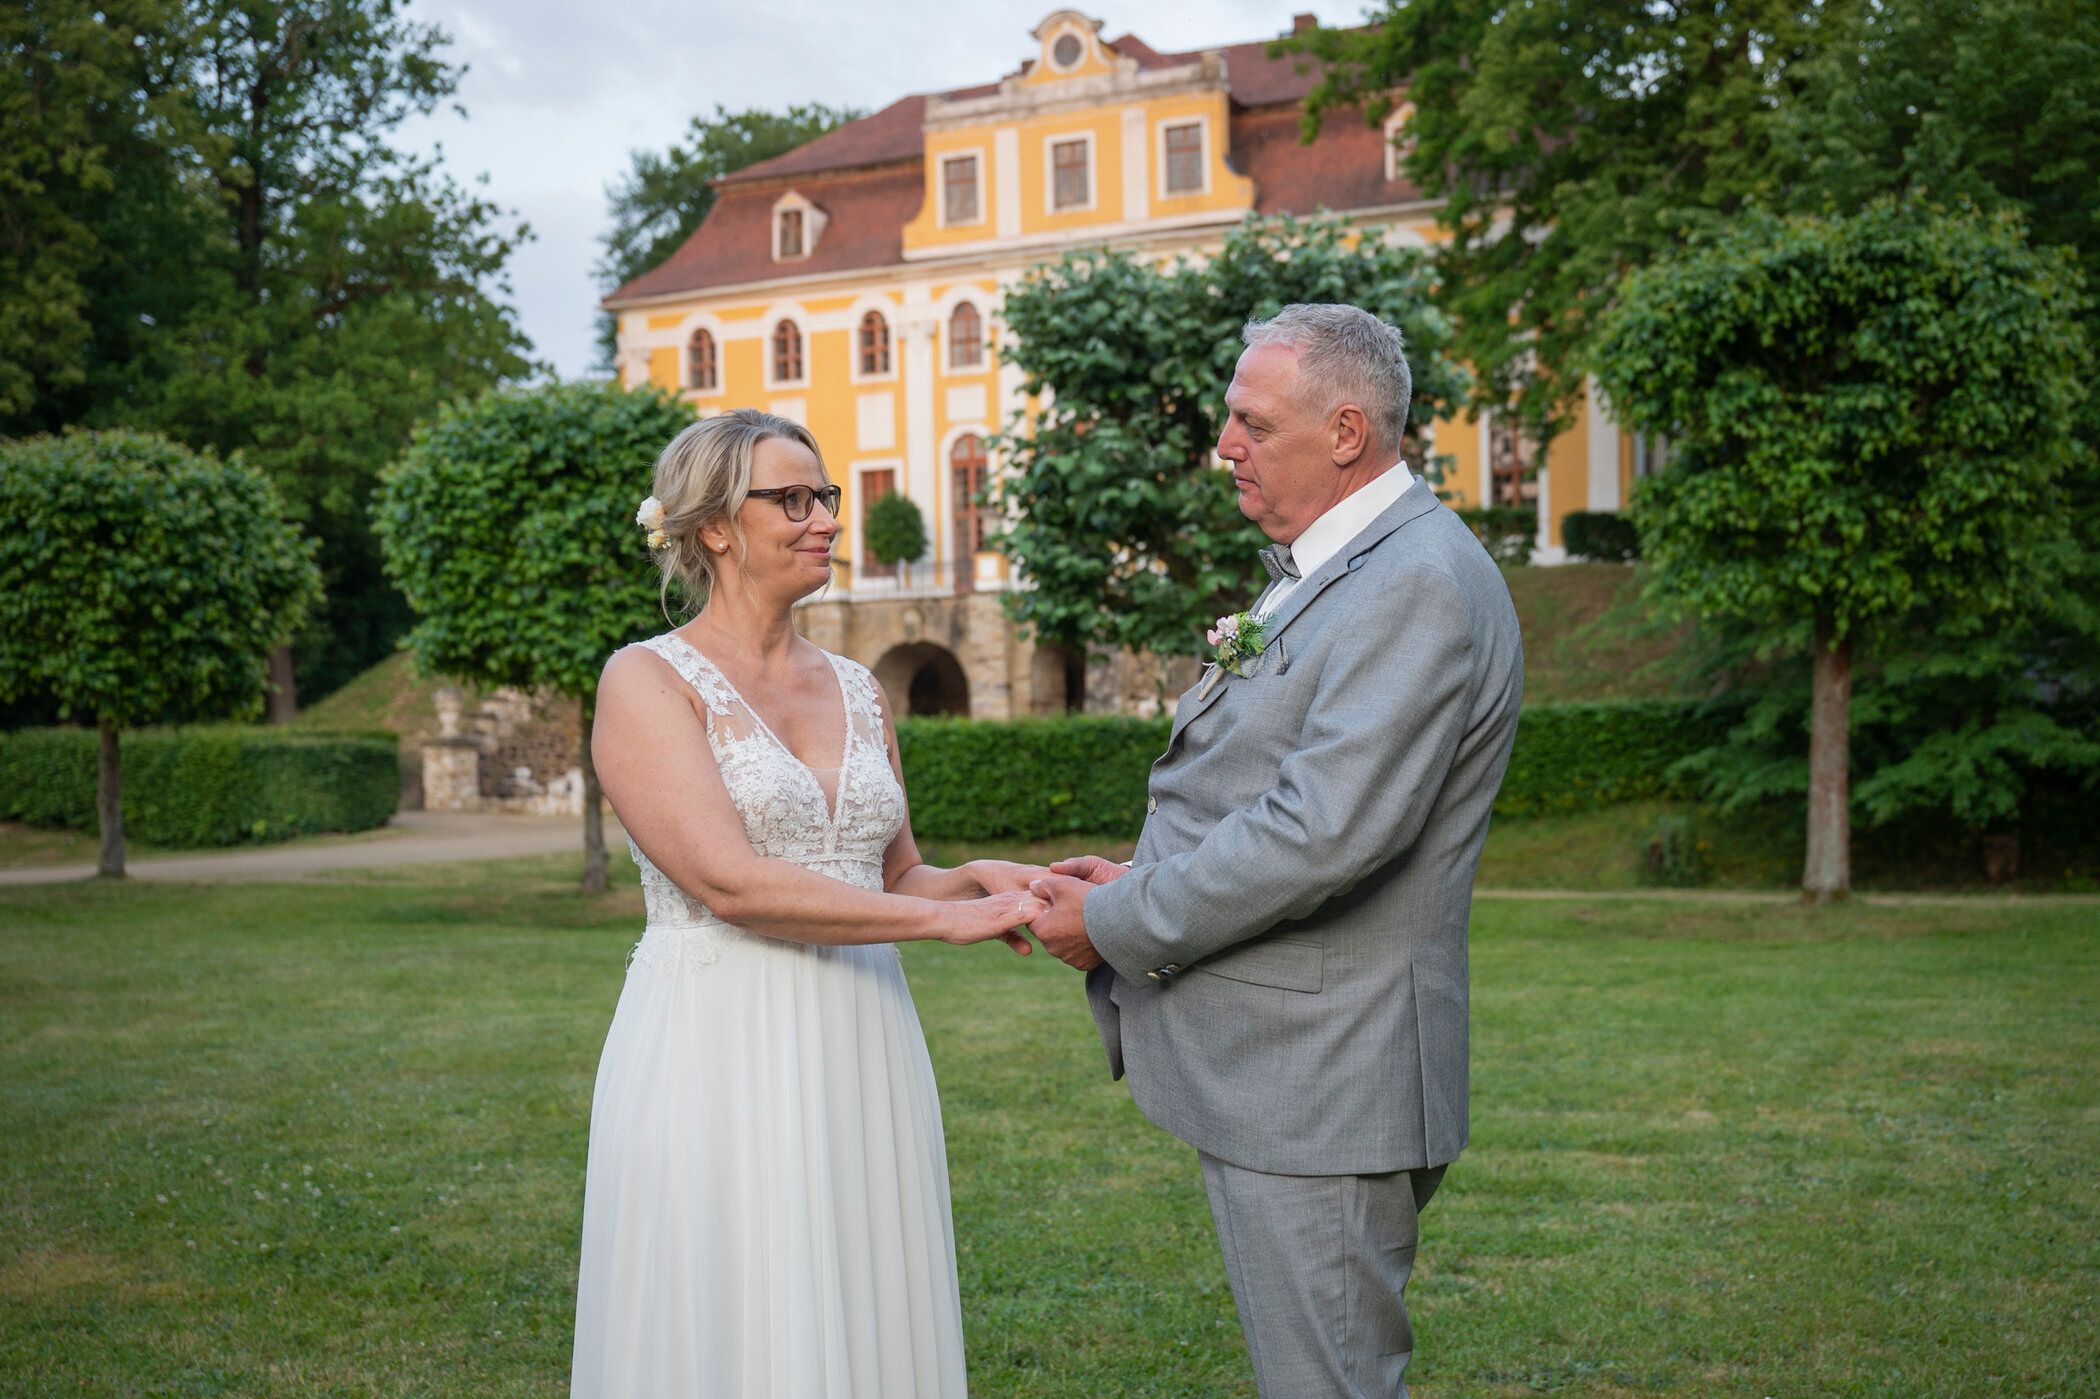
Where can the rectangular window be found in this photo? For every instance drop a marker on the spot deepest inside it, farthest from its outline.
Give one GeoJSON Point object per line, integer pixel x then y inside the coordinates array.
{"type": "Point", "coordinates": [959, 187]}
{"type": "Point", "coordinates": [1070, 188]}
{"type": "Point", "coordinates": [1185, 158]}
{"type": "Point", "coordinates": [874, 485]}
{"type": "Point", "coordinates": [791, 233]}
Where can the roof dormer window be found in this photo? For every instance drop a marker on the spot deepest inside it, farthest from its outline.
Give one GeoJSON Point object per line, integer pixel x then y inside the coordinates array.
{"type": "Point", "coordinates": [797, 225]}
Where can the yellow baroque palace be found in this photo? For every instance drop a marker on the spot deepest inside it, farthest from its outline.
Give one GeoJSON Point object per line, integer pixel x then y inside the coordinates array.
{"type": "Point", "coordinates": [854, 285]}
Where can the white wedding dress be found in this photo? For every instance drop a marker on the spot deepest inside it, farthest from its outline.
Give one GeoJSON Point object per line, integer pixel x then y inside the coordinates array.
{"type": "Point", "coordinates": [766, 1205]}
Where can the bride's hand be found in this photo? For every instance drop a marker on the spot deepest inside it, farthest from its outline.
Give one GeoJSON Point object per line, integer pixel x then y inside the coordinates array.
{"type": "Point", "coordinates": [1002, 876]}
{"type": "Point", "coordinates": [994, 916]}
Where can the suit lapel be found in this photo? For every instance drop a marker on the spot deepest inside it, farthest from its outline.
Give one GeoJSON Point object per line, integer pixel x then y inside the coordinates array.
{"type": "Point", "coordinates": [1416, 500]}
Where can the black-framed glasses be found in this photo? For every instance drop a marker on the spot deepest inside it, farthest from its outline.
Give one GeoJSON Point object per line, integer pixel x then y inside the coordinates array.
{"type": "Point", "coordinates": [797, 500]}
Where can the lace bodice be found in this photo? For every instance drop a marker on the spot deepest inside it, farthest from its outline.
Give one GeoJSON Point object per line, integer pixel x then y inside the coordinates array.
{"type": "Point", "coordinates": [788, 813]}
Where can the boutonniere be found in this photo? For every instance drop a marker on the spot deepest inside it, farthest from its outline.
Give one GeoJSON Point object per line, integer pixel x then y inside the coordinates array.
{"type": "Point", "coordinates": [1237, 640]}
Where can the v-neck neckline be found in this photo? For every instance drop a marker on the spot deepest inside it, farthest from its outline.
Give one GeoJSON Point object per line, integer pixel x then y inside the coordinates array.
{"type": "Point", "coordinates": [845, 711]}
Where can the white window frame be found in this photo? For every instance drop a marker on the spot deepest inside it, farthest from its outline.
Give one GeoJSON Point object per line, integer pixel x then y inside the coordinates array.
{"type": "Point", "coordinates": [1093, 173]}
{"type": "Point", "coordinates": [1050, 49]}
{"type": "Point", "coordinates": [949, 342]}
{"type": "Point", "coordinates": [1159, 147]}
{"type": "Point", "coordinates": [685, 362]}
{"type": "Point", "coordinates": [888, 582]}
{"type": "Point", "coordinates": [940, 173]}
{"type": "Point", "coordinates": [1400, 116]}
{"type": "Point", "coordinates": [801, 324]}
{"type": "Point", "coordinates": [890, 312]}
{"type": "Point", "coordinates": [813, 221]}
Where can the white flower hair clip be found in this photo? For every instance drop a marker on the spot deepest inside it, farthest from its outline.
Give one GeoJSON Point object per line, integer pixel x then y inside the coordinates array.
{"type": "Point", "coordinates": [651, 518]}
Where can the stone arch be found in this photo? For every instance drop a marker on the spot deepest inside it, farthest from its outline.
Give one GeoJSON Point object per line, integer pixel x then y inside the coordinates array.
{"type": "Point", "coordinates": [923, 678]}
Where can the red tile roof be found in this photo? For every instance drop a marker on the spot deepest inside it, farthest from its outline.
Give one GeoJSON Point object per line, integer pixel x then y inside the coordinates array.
{"type": "Point", "coordinates": [866, 175]}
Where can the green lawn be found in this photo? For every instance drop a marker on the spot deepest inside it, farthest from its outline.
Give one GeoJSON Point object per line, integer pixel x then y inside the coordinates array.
{"type": "Point", "coordinates": [328, 1139]}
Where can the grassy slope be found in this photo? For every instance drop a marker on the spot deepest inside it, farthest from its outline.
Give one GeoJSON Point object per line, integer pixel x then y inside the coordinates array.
{"type": "Point", "coordinates": [328, 1139]}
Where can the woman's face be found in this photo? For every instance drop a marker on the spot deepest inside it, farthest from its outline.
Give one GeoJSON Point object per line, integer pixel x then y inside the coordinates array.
{"type": "Point", "coordinates": [788, 556]}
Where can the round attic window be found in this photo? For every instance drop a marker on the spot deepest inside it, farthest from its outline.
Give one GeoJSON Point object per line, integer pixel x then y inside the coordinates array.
{"type": "Point", "coordinates": [1066, 51]}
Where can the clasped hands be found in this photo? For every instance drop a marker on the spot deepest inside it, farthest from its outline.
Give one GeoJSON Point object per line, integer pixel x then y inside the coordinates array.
{"type": "Point", "coordinates": [1060, 890]}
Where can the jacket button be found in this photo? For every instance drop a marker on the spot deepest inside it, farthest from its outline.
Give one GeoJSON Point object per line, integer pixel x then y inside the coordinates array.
{"type": "Point", "coordinates": [1151, 805]}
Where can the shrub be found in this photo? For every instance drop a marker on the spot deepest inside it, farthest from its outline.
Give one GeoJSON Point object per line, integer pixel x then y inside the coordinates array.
{"type": "Point", "coordinates": [1601, 535]}
{"type": "Point", "coordinates": [1576, 757]}
{"type": "Point", "coordinates": [1032, 779]}
{"type": "Point", "coordinates": [896, 531]}
{"type": "Point", "coordinates": [1508, 531]}
{"type": "Point", "coordinates": [1036, 779]}
{"type": "Point", "coordinates": [205, 786]}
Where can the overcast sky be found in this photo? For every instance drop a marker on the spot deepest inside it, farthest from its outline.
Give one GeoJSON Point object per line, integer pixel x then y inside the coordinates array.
{"type": "Point", "coordinates": [558, 92]}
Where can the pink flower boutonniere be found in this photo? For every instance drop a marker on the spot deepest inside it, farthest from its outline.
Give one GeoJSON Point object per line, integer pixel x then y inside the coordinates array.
{"type": "Point", "coordinates": [1238, 640]}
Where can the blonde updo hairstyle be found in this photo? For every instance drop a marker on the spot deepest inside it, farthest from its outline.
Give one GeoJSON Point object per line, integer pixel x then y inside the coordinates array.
{"type": "Point", "coordinates": [703, 476]}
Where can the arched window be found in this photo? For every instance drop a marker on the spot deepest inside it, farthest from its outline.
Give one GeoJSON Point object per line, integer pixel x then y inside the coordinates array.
{"type": "Point", "coordinates": [874, 344]}
{"type": "Point", "coordinates": [787, 353]}
{"type": "Point", "coordinates": [966, 462]}
{"type": "Point", "coordinates": [965, 337]}
{"type": "Point", "coordinates": [701, 371]}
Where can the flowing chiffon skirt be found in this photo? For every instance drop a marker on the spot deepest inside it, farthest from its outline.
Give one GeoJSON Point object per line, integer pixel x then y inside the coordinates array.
{"type": "Point", "coordinates": [766, 1210]}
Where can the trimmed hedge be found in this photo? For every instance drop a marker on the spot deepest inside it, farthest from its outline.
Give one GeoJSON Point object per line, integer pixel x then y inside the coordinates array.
{"type": "Point", "coordinates": [1509, 532]}
{"type": "Point", "coordinates": [1032, 779]}
{"type": "Point", "coordinates": [1576, 757]}
{"type": "Point", "coordinates": [1037, 779]}
{"type": "Point", "coordinates": [198, 787]}
{"type": "Point", "coordinates": [1603, 535]}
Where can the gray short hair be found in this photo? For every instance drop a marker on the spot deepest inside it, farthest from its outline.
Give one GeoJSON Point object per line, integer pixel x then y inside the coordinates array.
{"type": "Point", "coordinates": [1349, 356]}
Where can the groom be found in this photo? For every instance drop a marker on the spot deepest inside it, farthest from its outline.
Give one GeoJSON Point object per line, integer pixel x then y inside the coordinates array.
{"type": "Point", "coordinates": [1282, 968]}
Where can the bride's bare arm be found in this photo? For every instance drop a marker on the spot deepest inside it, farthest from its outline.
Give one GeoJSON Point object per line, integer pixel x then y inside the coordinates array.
{"type": "Point", "coordinates": [904, 871]}
{"type": "Point", "coordinates": [649, 744]}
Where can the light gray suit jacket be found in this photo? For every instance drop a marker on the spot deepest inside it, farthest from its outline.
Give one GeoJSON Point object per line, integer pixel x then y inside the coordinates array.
{"type": "Point", "coordinates": [1286, 959]}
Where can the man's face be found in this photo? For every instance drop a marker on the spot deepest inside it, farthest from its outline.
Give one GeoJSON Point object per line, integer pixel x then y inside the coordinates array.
{"type": "Point", "coordinates": [1282, 456]}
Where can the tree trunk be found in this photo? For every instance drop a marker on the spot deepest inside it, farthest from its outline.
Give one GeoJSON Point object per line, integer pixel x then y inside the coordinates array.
{"type": "Point", "coordinates": [284, 688]}
{"type": "Point", "coordinates": [109, 804]}
{"type": "Point", "coordinates": [593, 808]}
{"type": "Point", "coordinates": [1827, 875]}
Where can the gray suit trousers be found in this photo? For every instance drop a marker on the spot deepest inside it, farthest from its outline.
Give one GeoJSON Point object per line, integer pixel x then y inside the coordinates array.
{"type": "Point", "coordinates": [1319, 1268]}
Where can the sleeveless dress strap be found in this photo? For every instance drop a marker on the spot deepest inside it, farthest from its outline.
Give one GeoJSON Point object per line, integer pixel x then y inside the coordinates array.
{"type": "Point", "coordinates": [697, 671]}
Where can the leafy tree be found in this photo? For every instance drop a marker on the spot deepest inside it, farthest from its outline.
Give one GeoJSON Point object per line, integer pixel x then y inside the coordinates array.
{"type": "Point", "coordinates": [896, 531]}
{"type": "Point", "coordinates": [664, 195]}
{"type": "Point", "coordinates": [1870, 424]}
{"type": "Point", "coordinates": [1129, 534]}
{"type": "Point", "coordinates": [1569, 142]}
{"type": "Point", "coordinates": [141, 583]}
{"type": "Point", "coordinates": [509, 527]}
{"type": "Point", "coordinates": [254, 266]}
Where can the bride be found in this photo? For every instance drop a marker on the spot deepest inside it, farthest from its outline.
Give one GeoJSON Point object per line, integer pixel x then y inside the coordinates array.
{"type": "Point", "coordinates": [766, 1203]}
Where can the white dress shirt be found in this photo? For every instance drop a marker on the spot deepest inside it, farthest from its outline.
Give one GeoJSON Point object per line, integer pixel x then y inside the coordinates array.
{"type": "Point", "coordinates": [1343, 521]}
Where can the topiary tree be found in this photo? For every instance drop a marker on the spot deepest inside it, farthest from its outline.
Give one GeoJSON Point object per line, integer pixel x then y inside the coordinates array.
{"type": "Point", "coordinates": [509, 527]}
{"type": "Point", "coordinates": [1870, 424]}
{"type": "Point", "coordinates": [895, 531]}
{"type": "Point", "coordinates": [1128, 533]}
{"type": "Point", "coordinates": [142, 583]}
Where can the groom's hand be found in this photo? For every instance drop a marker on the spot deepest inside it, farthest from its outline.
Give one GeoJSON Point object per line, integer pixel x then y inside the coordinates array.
{"type": "Point", "coordinates": [1092, 868]}
{"type": "Point", "coordinates": [1061, 928]}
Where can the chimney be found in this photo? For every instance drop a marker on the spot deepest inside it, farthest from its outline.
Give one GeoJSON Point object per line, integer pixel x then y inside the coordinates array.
{"type": "Point", "coordinates": [1302, 23]}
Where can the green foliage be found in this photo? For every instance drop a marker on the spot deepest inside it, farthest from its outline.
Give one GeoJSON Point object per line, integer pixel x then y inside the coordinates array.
{"type": "Point", "coordinates": [1509, 532]}
{"type": "Point", "coordinates": [1604, 536]}
{"type": "Point", "coordinates": [141, 582]}
{"type": "Point", "coordinates": [509, 526]}
{"type": "Point", "coordinates": [1035, 779]}
{"type": "Point", "coordinates": [1567, 143]}
{"type": "Point", "coordinates": [1871, 434]}
{"type": "Point", "coordinates": [665, 195]}
{"type": "Point", "coordinates": [1128, 533]}
{"type": "Point", "coordinates": [1573, 757]}
{"type": "Point", "coordinates": [1869, 418]}
{"type": "Point", "coordinates": [206, 786]}
{"type": "Point", "coordinates": [256, 266]}
{"type": "Point", "coordinates": [895, 531]}
{"type": "Point", "coordinates": [1028, 780]}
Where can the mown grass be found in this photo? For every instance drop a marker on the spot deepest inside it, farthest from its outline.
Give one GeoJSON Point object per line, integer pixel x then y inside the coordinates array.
{"type": "Point", "coordinates": [328, 1139]}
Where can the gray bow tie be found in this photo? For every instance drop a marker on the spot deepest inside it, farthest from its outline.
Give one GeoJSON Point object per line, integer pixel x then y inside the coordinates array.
{"type": "Point", "coordinates": [1277, 560]}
